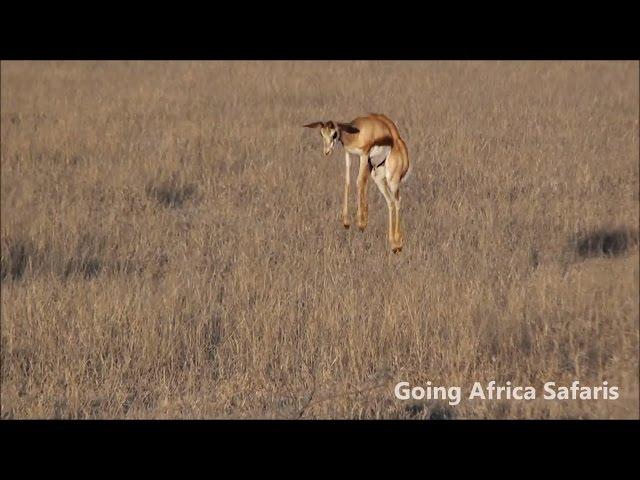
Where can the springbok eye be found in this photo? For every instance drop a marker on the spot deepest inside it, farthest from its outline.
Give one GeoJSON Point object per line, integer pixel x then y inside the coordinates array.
{"type": "Point", "coordinates": [335, 134]}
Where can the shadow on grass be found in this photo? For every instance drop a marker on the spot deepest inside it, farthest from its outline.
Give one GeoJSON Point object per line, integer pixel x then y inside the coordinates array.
{"type": "Point", "coordinates": [14, 262]}
{"type": "Point", "coordinates": [20, 258]}
{"type": "Point", "coordinates": [430, 411]}
{"type": "Point", "coordinates": [172, 193]}
{"type": "Point", "coordinates": [603, 243]}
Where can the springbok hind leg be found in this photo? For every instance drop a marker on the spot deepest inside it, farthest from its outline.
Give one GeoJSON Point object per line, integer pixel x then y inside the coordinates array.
{"type": "Point", "coordinates": [397, 237]}
{"type": "Point", "coordinates": [362, 214]}
{"type": "Point", "coordinates": [379, 177]}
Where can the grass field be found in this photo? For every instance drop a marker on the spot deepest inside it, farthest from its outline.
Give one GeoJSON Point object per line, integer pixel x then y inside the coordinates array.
{"type": "Point", "coordinates": [172, 244]}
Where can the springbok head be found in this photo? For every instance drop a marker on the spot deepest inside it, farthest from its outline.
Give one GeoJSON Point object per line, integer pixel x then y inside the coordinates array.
{"type": "Point", "coordinates": [331, 131]}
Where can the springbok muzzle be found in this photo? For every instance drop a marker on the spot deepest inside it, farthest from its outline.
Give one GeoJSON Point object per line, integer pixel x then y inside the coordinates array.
{"type": "Point", "coordinates": [329, 149]}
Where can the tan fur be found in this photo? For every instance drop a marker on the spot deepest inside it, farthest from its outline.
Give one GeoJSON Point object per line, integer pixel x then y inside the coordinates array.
{"type": "Point", "coordinates": [358, 138]}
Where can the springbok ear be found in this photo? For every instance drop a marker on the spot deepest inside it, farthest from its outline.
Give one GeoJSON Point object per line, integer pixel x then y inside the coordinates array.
{"type": "Point", "coordinates": [349, 128]}
{"type": "Point", "coordinates": [314, 125]}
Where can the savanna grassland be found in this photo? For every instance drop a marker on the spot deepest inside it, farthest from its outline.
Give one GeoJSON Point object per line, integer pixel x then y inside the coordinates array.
{"type": "Point", "coordinates": [172, 244]}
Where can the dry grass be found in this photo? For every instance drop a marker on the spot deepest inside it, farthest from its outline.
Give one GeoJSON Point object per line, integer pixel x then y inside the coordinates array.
{"type": "Point", "coordinates": [172, 244]}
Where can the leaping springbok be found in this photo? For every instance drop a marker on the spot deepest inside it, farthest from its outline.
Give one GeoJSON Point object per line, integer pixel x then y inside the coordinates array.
{"type": "Point", "coordinates": [383, 154]}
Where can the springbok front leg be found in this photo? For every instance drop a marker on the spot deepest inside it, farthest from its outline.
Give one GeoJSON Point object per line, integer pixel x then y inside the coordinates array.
{"type": "Point", "coordinates": [362, 216]}
{"type": "Point", "coordinates": [345, 204]}
{"type": "Point", "coordinates": [379, 177]}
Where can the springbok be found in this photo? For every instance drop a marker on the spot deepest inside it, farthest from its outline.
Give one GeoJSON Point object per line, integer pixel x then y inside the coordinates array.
{"type": "Point", "coordinates": [383, 155]}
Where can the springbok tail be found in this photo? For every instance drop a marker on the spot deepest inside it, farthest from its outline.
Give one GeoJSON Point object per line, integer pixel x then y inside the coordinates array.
{"type": "Point", "coordinates": [408, 174]}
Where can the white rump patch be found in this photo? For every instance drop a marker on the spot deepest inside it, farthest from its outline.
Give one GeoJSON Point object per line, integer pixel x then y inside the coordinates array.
{"type": "Point", "coordinates": [406, 175]}
{"type": "Point", "coordinates": [378, 154]}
